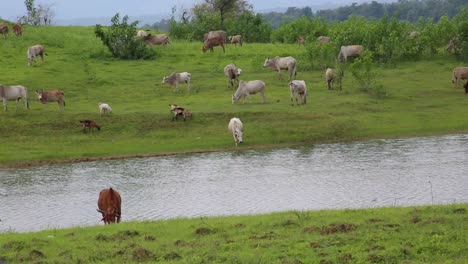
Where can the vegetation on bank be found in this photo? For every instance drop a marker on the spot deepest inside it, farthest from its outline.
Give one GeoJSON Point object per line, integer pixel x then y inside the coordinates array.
{"type": "Point", "coordinates": [427, 234]}
{"type": "Point", "coordinates": [419, 100]}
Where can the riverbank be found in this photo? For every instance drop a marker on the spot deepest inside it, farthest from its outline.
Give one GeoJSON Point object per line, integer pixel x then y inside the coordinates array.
{"type": "Point", "coordinates": [421, 234]}
{"type": "Point", "coordinates": [421, 101]}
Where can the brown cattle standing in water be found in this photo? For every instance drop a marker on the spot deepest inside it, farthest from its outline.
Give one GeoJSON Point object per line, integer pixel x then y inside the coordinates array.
{"type": "Point", "coordinates": [89, 124]}
{"type": "Point", "coordinates": [51, 96]}
{"type": "Point", "coordinates": [4, 29]}
{"type": "Point", "coordinates": [214, 38]}
{"type": "Point", "coordinates": [18, 29]}
{"type": "Point", "coordinates": [109, 205]}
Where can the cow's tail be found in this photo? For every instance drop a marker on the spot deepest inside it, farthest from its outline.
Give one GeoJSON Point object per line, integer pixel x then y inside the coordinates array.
{"type": "Point", "coordinates": [453, 77]}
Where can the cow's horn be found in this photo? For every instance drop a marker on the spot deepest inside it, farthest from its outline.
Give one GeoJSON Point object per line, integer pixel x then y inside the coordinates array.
{"type": "Point", "coordinates": [100, 211]}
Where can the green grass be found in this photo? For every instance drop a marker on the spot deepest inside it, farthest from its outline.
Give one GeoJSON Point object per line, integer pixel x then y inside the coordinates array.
{"type": "Point", "coordinates": [428, 234]}
{"type": "Point", "coordinates": [421, 101]}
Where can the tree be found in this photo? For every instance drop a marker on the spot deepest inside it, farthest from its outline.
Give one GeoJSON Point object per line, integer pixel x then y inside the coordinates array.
{"type": "Point", "coordinates": [37, 15]}
{"type": "Point", "coordinates": [224, 8]}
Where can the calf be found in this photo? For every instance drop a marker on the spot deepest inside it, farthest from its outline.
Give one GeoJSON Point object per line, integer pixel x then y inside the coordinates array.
{"type": "Point", "coordinates": [236, 39]}
{"type": "Point", "coordinates": [4, 29]}
{"type": "Point", "coordinates": [232, 73]}
{"type": "Point", "coordinates": [109, 205]}
{"type": "Point", "coordinates": [18, 29]}
{"type": "Point", "coordinates": [104, 109]}
{"type": "Point", "coordinates": [180, 112]}
{"type": "Point", "coordinates": [89, 124]}
{"type": "Point", "coordinates": [51, 96]}
{"type": "Point", "coordinates": [175, 78]}
{"type": "Point", "coordinates": [297, 89]}
{"type": "Point", "coordinates": [329, 78]}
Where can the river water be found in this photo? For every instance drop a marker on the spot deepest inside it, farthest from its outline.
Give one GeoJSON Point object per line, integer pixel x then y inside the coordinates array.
{"type": "Point", "coordinates": [378, 173]}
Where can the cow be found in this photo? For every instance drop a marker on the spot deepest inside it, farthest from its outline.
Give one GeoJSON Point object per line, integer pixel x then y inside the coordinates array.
{"type": "Point", "coordinates": [4, 29]}
{"type": "Point", "coordinates": [323, 39]}
{"type": "Point", "coordinates": [89, 124]}
{"type": "Point", "coordinates": [232, 73]}
{"type": "Point", "coordinates": [175, 78]}
{"type": "Point", "coordinates": [298, 88]}
{"type": "Point", "coordinates": [179, 112]}
{"type": "Point", "coordinates": [459, 73]}
{"type": "Point", "coordinates": [14, 92]}
{"type": "Point", "coordinates": [350, 51]}
{"type": "Point", "coordinates": [214, 38]}
{"type": "Point", "coordinates": [329, 78]}
{"type": "Point", "coordinates": [51, 96]}
{"type": "Point", "coordinates": [236, 39]}
{"type": "Point", "coordinates": [414, 34]}
{"type": "Point", "coordinates": [109, 205]}
{"type": "Point", "coordinates": [104, 108]}
{"type": "Point", "coordinates": [33, 52]}
{"type": "Point", "coordinates": [158, 39]}
{"type": "Point", "coordinates": [282, 63]}
{"type": "Point", "coordinates": [18, 29]}
{"type": "Point", "coordinates": [236, 127]}
{"type": "Point", "coordinates": [141, 34]}
{"type": "Point", "coordinates": [452, 46]}
{"type": "Point", "coordinates": [300, 40]}
{"type": "Point", "coordinates": [247, 88]}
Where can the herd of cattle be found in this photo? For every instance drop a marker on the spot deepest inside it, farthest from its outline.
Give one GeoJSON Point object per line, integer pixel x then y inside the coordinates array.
{"type": "Point", "coordinates": [109, 202]}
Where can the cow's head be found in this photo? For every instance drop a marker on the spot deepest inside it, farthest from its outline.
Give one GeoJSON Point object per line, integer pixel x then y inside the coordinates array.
{"type": "Point", "coordinates": [41, 95]}
{"type": "Point", "coordinates": [234, 99]}
{"type": "Point", "coordinates": [238, 136]}
{"type": "Point", "coordinates": [110, 216]}
{"type": "Point", "coordinates": [267, 62]}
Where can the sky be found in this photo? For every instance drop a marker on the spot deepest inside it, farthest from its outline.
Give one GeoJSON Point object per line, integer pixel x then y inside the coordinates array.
{"type": "Point", "coordinates": [73, 9]}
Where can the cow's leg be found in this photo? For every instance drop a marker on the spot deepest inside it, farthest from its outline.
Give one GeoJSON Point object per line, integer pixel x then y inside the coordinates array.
{"type": "Point", "coordinates": [222, 46]}
{"type": "Point", "coordinates": [5, 106]}
{"type": "Point", "coordinates": [42, 57]}
{"type": "Point", "coordinates": [263, 97]}
{"type": "Point", "coordinates": [279, 75]}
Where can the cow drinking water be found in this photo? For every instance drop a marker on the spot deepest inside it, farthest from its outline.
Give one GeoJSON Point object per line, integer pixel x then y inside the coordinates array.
{"type": "Point", "coordinates": [109, 205]}
{"type": "Point", "coordinates": [236, 127]}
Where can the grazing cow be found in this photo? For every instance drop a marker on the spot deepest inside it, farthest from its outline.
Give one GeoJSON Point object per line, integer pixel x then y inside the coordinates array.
{"type": "Point", "coordinates": [109, 205]}
{"type": "Point", "coordinates": [459, 73]}
{"type": "Point", "coordinates": [297, 89]}
{"type": "Point", "coordinates": [15, 92]}
{"type": "Point", "coordinates": [51, 96]}
{"type": "Point", "coordinates": [414, 34]}
{"type": "Point", "coordinates": [158, 39]}
{"type": "Point", "coordinates": [329, 78]}
{"type": "Point", "coordinates": [104, 109]}
{"type": "Point", "coordinates": [18, 29]}
{"type": "Point", "coordinates": [282, 63]}
{"type": "Point", "coordinates": [180, 112]}
{"type": "Point", "coordinates": [141, 34]}
{"type": "Point", "coordinates": [232, 73]}
{"type": "Point", "coordinates": [89, 124]}
{"type": "Point", "coordinates": [236, 39]}
{"type": "Point", "coordinates": [247, 88]}
{"type": "Point", "coordinates": [4, 29]}
{"type": "Point", "coordinates": [350, 51]}
{"type": "Point", "coordinates": [236, 127]}
{"type": "Point", "coordinates": [175, 78]}
{"type": "Point", "coordinates": [300, 40]}
{"type": "Point", "coordinates": [452, 46]}
{"type": "Point", "coordinates": [323, 39]}
{"type": "Point", "coordinates": [33, 52]}
{"type": "Point", "coordinates": [214, 38]}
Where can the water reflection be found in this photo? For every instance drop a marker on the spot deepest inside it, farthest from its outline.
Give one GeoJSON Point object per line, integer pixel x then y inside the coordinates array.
{"type": "Point", "coordinates": [355, 175]}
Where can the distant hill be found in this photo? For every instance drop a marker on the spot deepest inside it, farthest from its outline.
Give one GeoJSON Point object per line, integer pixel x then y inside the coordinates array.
{"type": "Point", "coordinates": [91, 21]}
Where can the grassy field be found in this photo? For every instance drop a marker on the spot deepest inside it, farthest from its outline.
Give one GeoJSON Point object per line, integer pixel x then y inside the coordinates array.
{"type": "Point", "coordinates": [430, 234]}
{"type": "Point", "coordinates": [421, 101]}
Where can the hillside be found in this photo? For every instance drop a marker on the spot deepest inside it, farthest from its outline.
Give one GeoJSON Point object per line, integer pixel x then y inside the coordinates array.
{"type": "Point", "coordinates": [421, 101]}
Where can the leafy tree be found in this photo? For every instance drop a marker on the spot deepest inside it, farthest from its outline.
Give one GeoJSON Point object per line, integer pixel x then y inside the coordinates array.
{"type": "Point", "coordinates": [121, 40]}
{"type": "Point", "coordinates": [223, 9]}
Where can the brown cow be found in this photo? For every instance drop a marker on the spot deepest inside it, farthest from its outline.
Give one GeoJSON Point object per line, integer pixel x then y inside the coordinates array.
{"type": "Point", "coordinates": [51, 96]}
{"type": "Point", "coordinates": [89, 124]}
{"type": "Point", "coordinates": [109, 205]}
{"type": "Point", "coordinates": [18, 29]}
{"type": "Point", "coordinates": [158, 39]}
{"type": "Point", "coordinates": [180, 112]}
{"type": "Point", "coordinates": [214, 38]}
{"type": "Point", "coordinates": [4, 29]}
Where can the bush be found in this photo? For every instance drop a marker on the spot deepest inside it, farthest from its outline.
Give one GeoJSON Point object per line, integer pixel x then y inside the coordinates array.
{"type": "Point", "coordinates": [122, 41]}
{"type": "Point", "coordinates": [366, 77]}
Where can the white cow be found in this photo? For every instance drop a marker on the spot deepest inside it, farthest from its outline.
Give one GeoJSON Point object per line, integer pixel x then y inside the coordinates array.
{"type": "Point", "coordinates": [350, 51]}
{"type": "Point", "coordinates": [297, 89]}
{"type": "Point", "coordinates": [247, 88]}
{"type": "Point", "coordinates": [329, 78]}
{"type": "Point", "coordinates": [236, 128]}
{"type": "Point", "coordinates": [459, 73]}
{"type": "Point", "coordinates": [33, 52]}
{"type": "Point", "coordinates": [104, 109]}
{"type": "Point", "coordinates": [175, 78]}
{"type": "Point", "coordinates": [282, 63]}
{"type": "Point", "coordinates": [141, 34]}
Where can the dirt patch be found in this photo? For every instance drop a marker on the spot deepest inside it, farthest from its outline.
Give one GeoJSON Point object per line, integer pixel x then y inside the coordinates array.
{"type": "Point", "coordinates": [415, 219]}
{"type": "Point", "coordinates": [268, 235]}
{"type": "Point", "coordinates": [315, 245]}
{"type": "Point", "coordinates": [345, 258]}
{"type": "Point", "coordinates": [288, 223]}
{"type": "Point", "coordinates": [374, 220]}
{"type": "Point", "coordinates": [239, 226]}
{"type": "Point", "coordinates": [337, 228]}
{"type": "Point", "coordinates": [149, 238]}
{"type": "Point", "coordinates": [36, 254]}
{"type": "Point", "coordinates": [101, 237]}
{"type": "Point", "coordinates": [123, 235]}
{"type": "Point", "coordinates": [391, 225]}
{"type": "Point", "coordinates": [15, 245]}
{"type": "Point", "coordinates": [142, 254]}
{"type": "Point", "coordinates": [459, 210]}
{"type": "Point", "coordinates": [172, 256]}
{"type": "Point", "coordinates": [311, 229]}
{"type": "Point", "coordinates": [70, 234]}
{"type": "Point", "coordinates": [204, 231]}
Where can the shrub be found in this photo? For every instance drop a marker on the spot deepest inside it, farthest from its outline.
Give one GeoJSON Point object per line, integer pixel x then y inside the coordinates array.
{"type": "Point", "coordinates": [121, 40]}
{"type": "Point", "coordinates": [366, 77]}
